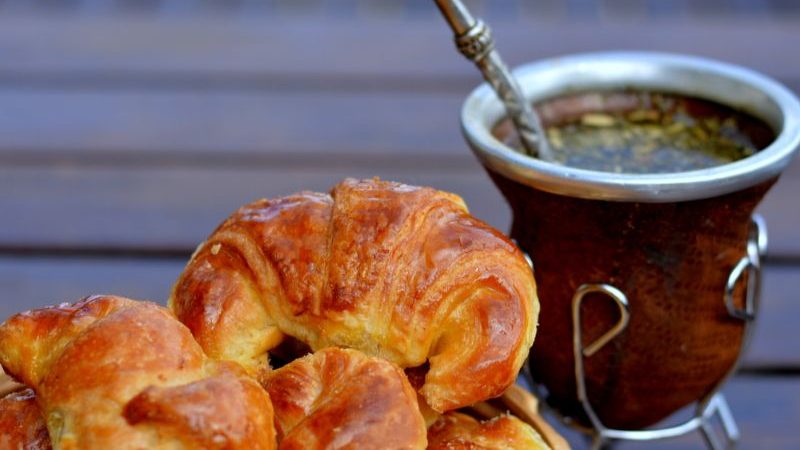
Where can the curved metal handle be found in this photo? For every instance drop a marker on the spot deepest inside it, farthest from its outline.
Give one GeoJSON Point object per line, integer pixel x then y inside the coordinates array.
{"type": "Point", "coordinates": [751, 264]}
{"type": "Point", "coordinates": [579, 351]}
{"type": "Point", "coordinates": [619, 299]}
{"type": "Point", "coordinates": [748, 313]}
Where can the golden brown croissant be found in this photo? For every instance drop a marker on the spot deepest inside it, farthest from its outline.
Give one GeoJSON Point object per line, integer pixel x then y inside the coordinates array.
{"type": "Point", "coordinates": [399, 272]}
{"type": "Point", "coordinates": [456, 431]}
{"type": "Point", "coordinates": [22, 426]}
{"type": "Point", "coordinates": [110, 372]}
{"type": "Point", "coordinates": [337, 398]}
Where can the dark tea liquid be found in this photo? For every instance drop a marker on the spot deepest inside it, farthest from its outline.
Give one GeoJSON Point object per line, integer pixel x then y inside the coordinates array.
{"type": "Point", "coordinates": [644, 132]}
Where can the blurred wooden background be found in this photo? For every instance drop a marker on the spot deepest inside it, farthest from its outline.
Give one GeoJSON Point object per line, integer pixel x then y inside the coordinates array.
{"type": "Point", "coordinates": [129, 129]}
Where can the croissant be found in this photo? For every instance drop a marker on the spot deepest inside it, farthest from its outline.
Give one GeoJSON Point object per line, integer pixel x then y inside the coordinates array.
{"type": "Point", "coordinates": [400, 272]}
{"type": "Point", "coordinates": [21, 423]}
{"type": "Point", "coordinates": [338, 398]}
{"type": "Point", "coordinates": [456, 431]}
{"type": "Point", "coordinates": [110, 372]}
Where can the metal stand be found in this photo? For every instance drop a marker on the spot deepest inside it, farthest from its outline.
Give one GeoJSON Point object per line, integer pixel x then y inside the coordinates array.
{"type": "Point", "coordinates": [714, 403]}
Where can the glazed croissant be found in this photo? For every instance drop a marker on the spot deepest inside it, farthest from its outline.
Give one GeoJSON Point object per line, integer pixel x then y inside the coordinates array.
{"type": "Point", "coordinates": [110, 372]}
{"type": "Point", "coordinates": [456, 431]}
{"type": "Point", "coordinates": [396, 271]}
{"type": "Point", "coordinates": [22, 426]}
{"type": "Point", "coordinates": [338, 398]}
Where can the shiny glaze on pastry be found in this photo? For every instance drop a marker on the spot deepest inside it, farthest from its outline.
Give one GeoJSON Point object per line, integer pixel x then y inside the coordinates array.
{"type": "Point", "coordinates": [110, 372]}
{"type": "Point", "coordinates": [22, 425]}
{"type": "Point", "coordinates": [400, 272]}
{"type": "Point", "coordinates": [343, 399]}
{"type": "Point", "coordinates": [456, 431]}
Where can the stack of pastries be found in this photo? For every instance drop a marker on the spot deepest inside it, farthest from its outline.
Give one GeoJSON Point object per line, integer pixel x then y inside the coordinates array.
{"type": "Point", "coordinates": [361, 319]}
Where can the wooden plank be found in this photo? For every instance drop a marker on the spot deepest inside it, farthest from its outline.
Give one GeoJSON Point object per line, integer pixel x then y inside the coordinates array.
{"type": "Point", "coordinates": [226, 127]}
{"type": "Point", "coordinates": [773, 344]}
{"type": "Point", "coordinates": [393, 8]}
{"type": "Point", "coordinates": [783, 217]}
{"type": "Point", "coordinates": [29, 282]}
{"type": "Point", "coordinates": [174, 208]}
{"type": "Point", "coordinates": [368, 52]}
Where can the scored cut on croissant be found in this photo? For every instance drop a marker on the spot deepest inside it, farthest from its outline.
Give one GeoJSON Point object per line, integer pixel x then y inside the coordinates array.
{"type": "Point", "coordinates": [111, 372]}
{"type": "Point", "coordinates": [22, 425]}
{"type": "Point", "coordinates": [457, 431]}
{"type": "Point", "coordinates": [400, 272]}
{"type": "Point", "coordinates": [337, 398]}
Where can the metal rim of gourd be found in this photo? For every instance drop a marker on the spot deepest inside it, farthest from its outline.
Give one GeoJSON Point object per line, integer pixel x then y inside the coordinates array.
{"type": "Point", "coordinates": [727, 84]}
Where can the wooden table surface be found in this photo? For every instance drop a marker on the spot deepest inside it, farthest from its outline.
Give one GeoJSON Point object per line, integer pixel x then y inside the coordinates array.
{"type": "Point", "coordinates": [127, 134]}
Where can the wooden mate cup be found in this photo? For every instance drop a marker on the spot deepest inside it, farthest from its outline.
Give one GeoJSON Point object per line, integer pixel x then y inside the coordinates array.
{"type": "Point", "coordinates": [668, 242]}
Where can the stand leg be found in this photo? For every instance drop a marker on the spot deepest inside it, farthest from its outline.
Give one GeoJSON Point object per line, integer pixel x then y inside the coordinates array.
{"type": "Point", "coordinates": [730, 432]}
{"type": "Point", "coordinates": [710, 437]}
{"type": "Point", "coordinates": [598, 443]}
{"type": "Point", "coordinates": [728, 422]}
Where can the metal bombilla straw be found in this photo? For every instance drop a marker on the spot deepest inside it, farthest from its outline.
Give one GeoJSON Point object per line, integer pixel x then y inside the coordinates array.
{"type": "Point", "coordinates": [474, 41]}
